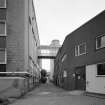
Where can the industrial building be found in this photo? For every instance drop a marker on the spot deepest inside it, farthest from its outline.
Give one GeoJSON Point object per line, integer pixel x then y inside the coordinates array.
{"type": "Point", "coordinates": [80, 62]}
{"type": "Point", "coordinates": [19, 40]}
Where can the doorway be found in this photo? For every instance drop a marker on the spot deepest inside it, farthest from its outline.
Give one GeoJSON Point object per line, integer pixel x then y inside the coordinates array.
{"type": "Point", "coordinates": [80, 78]}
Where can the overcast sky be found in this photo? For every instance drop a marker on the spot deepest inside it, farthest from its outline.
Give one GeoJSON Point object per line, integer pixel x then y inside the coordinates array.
{"type": "Point", "coordinates": [58, 18]}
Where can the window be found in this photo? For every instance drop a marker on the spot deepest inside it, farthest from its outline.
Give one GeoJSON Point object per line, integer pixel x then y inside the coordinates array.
{"type": "Point", "coordinates": [33, 17]}
{"type": "Point", "coordinates": [76, 50]}
{"type": "Point", "coordinates": [2, 56]}
{"type": "Point", "coordinates": [64, 57]}
{"type": "Point", "coordinates": [29, 19]}
{"type": "Point", "coordinates": [2, 28]}
{"type": "Point", "coordinates": [2, 68]}
{"type": "Point", "coordinates": [2, 42]}
{"type": "Point", "coordinates": [65, 73]}
{"type": "Point", "coordinates": [101, 69]}
{"type": "Point", "coordinates": [2, 3]}
{"type": "Point", "coordinates": [80, 49]}
{"type": "Point", "coordinates": [100, 42]}
{"type": "Point", "coordinates": [34, 37]}
{"type": "Point", "coordinates": [33, 30]}
{"type": "Point", "coordinates": [2, 14]}
{"type": "Point", "coordinates": [45, 51]}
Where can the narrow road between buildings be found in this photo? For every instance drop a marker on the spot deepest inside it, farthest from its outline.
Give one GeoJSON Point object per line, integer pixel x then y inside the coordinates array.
{"type": "Point", "coordinates": [48, 94]}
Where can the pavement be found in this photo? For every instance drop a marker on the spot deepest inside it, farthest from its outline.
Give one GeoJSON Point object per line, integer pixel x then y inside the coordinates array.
{"type": "Point", "coordinates": [48, 94]}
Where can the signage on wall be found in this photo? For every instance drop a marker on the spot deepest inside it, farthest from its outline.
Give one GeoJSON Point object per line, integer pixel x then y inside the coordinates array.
{"type": "Point", "coordinates": [65, 74]}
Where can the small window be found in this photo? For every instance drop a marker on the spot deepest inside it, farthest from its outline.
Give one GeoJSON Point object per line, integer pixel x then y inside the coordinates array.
{"type": "Point", "coordinates": [2, 42]}
{"type": "Point", "coordinates": [45, 51]}
{"type": "Point", "coordinates": [36, 44]}
{"type": "Point", "coordinates": [2, 28]}
{"type": "Point", "coordinates": [100, 42]}
{"type": "Point", "coordinates": [64, 57]}
{"type": "Point", "coordinates": [33, 18]}
{"type": "Point", "coordinates": [76, 50]}
{"type": "Point", "coordinates": [34, 37]}
{"type": "Point", "coordinates": [32, 30]}
{"type": "Point", "coordinates": [2, 3]}
{"type": "Point", "coordinates": [2, 14]}
{"type": "Point", "coordinates": [65, 73]}
{"type": "Point", "coordinates": [29, 19]}
{"type": "Point", "coordinates": [2, 56]}
{"type": "Point", "coordinates": [80, 49]}
{"type": "Point", "coordinates": [2, 68]}
{"type": "Point", "coordinates": [101, 69]}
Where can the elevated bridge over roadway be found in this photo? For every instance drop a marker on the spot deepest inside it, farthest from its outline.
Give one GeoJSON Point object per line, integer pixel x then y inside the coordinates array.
{"type": "Point", "coordinates": [48, 52]}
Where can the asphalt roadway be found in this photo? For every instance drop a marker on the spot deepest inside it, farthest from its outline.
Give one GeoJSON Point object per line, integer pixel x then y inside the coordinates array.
{"type": "Point", "coordinates": [48, 94]}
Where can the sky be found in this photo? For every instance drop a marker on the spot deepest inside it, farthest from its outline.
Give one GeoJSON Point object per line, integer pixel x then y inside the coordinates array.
{"type": "Point", "coordinates": [57, 18]}
{"type": "Point", "coordinates": [46, 64]}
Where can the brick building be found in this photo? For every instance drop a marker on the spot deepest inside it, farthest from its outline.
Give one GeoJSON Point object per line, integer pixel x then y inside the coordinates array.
{"type": "Point", "coordinates": [19, 40]}
{"type": "Point", "coordinates": [80, 63]}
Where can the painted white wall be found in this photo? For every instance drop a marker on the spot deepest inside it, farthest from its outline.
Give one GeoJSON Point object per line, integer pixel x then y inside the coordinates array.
{"type": "Point", "coordinates": [93, 83]}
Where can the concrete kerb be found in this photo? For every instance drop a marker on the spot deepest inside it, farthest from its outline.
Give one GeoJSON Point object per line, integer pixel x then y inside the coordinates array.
{"type": "Point", "coordinates": [96, 95]}
{"type": "Point", "coordinates": [76, 92]}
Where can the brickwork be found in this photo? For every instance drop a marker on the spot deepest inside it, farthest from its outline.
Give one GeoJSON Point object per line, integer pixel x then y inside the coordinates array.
{"type": "Point", "coordinates": [87, 33]}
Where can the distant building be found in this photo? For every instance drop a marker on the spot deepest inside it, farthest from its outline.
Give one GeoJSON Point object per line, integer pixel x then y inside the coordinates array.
{"type": "Point", "coordinates": [19, 40]}
{"type": "Point", "coordinates": [56, 45]}
{"type": "Point", "coordinates": [80, 62]}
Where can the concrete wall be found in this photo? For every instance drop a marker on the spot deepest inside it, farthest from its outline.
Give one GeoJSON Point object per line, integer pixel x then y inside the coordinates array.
{"type": "Point", "coordinates": [20, 44]}
{"type": "Point", "coordinates": [26, 35]}
{"type": "Point", "coordinates": [15, 35]}
{"type": "Point", "coordinates": [12, 87]}
{"type": "Point", "coordinates": [94, 83]}
{"type": "Point", "coordinates": [32, 38]}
